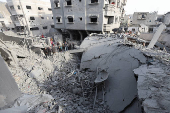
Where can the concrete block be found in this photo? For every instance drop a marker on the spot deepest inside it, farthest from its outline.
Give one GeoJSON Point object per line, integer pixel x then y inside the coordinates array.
{"type": "Point", "coordinates": [156, 35]}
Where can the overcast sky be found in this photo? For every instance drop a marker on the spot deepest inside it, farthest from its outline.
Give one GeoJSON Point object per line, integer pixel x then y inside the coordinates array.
{"type": "Point", "coordinates": [162, 6]}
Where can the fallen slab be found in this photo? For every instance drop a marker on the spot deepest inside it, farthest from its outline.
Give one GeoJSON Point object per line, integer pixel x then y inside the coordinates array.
{"type": "Point", "coordinates": [156, 35]}
{"type": "Point", "coordinates": [8, 88]}
{"type": "Point", "coordinates": [118, 61]}
{"type": "Point", "coordinates": [76, 51]}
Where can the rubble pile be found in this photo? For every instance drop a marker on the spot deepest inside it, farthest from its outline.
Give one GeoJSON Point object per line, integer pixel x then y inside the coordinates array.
{"type": "Point", "coordinates": [29, 69]}
{"type": "Point", "coordinates": [113, 75]}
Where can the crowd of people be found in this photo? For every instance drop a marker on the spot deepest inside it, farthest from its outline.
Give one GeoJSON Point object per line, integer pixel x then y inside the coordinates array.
{"type": "Point", "coordinates": [48, 51]}
{"type": "Point", "coordinates": [65, 46]}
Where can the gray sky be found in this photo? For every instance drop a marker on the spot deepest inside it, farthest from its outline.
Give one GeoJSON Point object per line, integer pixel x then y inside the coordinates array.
{"type": "Point", "coordinates": [162, 6]}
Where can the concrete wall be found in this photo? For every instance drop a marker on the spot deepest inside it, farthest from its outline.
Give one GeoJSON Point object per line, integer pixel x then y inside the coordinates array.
{"type": "Point", "coordinates": [9, 91]}
{"type": "Point", "coordinates": [150, 18]}
{"type": "Point", "coordinates": [33, 12]}
{"type": "Point", "coordinates": [15, 39]}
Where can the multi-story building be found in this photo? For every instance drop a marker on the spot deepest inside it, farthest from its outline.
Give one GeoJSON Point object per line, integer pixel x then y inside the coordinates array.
{"type": "Point", "coordinates": [145, 18]}
{"type": "Point", "coordinates": [146, 21]}
{"type": "Point", "coordinates": [83, 16]}
{"type": "Point", "coordinates": [32, 17]}
{"type": "Point", "coordinates": [5, 18]}
{"type": "Point", "coordinates": [127, 20]}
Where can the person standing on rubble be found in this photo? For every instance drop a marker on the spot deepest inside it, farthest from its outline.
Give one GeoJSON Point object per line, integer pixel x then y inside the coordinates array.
{"type": "Point", "coordinates": [69, 46]}
{"type": "Point", "coordinates": [63, 46]}
{"type": "Point", "coordinates": [45, 52]}
{"type": "Point", "coordinates": [49, 51]}
{"type": "Point", "coordinates": [66, 46]}
{"type": "Point", "coordinates": [42, 36]}
{"type": "Point", "coordinates": [72, 46]}
{"type": "Point", "coordinates": [53, 50]}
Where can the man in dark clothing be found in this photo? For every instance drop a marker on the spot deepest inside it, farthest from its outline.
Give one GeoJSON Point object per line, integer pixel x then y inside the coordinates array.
{"type": "Point", "coordinates": [58, 44]}
{"type": "Point", "coordinates": [45, 52]}
{"type": "Point", "coordinates": [63, 47]}
{"type": "Point", "coordinates": [60, 49]}
{"type": "Point", "coordinates": [53, 50]}
{"type": "Point", "coordinates": [49, 51]}
{"type": "Point", "coordinates": [66, 46]}
{"type": "Point", "coordinates": [72, 45]}
{"type": "Point", "coordinates": [69, 46]}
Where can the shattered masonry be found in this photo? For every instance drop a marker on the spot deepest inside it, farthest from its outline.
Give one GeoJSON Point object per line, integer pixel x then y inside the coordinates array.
{"type": "Point", "coordinates": [125, 75]}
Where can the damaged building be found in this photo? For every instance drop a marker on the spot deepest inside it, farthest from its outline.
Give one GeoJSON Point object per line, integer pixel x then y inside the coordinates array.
{"type": "Point", "coordinates": [148, 20]}
{"type": "Point", "coordinates": [80, 17]}
{"type": "Point", "coordinates": [6, 22]}
{"type": "Point", "coordinates": [109, 74]}
{"type": "Point", "coordinates": [31, 17]}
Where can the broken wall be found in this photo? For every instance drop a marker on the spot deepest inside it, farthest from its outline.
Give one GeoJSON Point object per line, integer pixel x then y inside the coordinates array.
{"type": "Point", "coordinates": [18, 40]}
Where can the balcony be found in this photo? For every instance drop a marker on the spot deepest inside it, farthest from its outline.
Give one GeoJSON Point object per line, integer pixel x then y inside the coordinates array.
{"type": "Point", "coordinates": [109, 9]}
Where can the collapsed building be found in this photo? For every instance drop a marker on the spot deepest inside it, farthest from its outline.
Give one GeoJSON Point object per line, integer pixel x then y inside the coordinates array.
{"type": "Point", "coordinates": [107, 74]}
{"type": "Point", "coordinates": [80, 18]}
{"type": "Point", "coordinates": [31, 17]}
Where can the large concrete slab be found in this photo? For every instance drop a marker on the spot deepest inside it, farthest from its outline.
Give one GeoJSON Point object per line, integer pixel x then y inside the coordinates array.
{"type": "Point", "coordinates": [8, 88]}
{"type": "Point", "coordinates": [119, 61]}
{"type": "Point", "coordinates": [15, 39]}
{"type": "Point", "coordinates": [76, 51]}
{"type": "Point", "coordinates": [156, 35]}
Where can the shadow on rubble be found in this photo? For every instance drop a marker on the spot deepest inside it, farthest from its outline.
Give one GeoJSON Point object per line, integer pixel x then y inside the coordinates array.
{"type": "Point", "coordinates": [73, 89]}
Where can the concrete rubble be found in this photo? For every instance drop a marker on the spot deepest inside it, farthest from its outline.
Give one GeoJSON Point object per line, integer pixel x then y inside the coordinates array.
{"type": "Point", "coordinates": [107, 74]}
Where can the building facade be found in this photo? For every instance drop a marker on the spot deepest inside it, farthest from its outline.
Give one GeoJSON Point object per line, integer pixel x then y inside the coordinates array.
{"type": "Point", "coordinates": [127, 20]}
{"type": "Point", "coordinates": [149, 21]}
{"type": "Point", "coordinates": [5, 18]}
{"type": "Point", "coordinates": [145, 18]}
{"type": "Point", "coordinates": [80, 16]}
{"type": "Point", "coordinates": [32, 17]}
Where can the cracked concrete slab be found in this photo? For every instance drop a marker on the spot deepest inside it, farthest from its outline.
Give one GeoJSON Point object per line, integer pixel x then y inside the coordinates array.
{"type": "Point", "coordinates": [153, 87]}
{"type": "Point", "coordinates": [119, 61]}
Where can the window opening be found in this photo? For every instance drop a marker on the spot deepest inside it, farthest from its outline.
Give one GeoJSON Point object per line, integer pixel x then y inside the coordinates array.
{"type": "Point", "coordinates": [32, 18]}
{"type": "Point", "coordinates": [11, 7]}
{"type": "Point", "coordinates": [80, 18]}
{"type": "Point", "coordinates": [49, 9]}
{"type": "Point", "coordinates": [19, 7]}
{"type": "Point", "coordinates": [70, 19]}
{"type": "Point", "coordinates": [52, 26]}
{"type": "Point", "coordinates": [28, 7]}
{"type": "Point", "coordinates": [40, 8]}
{"type": "Point", "coordinates": [34, 28]}
{"type": "Point", "coordinates": [45, 27]}
{"type": "Point", "coordinates": [68, 2]}
{"type": "Point", "coordinates": [94, 19]}
{"type": "Point", "coordinates": [94, 1]}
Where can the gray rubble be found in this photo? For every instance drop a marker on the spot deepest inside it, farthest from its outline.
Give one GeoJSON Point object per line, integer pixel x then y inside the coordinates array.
{"type": "Point", "coordinates": [106, 74]}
